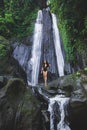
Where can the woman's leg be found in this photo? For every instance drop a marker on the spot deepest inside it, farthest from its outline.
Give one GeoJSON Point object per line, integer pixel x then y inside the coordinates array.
{"type": "Point", "coordinates": [45, 77]}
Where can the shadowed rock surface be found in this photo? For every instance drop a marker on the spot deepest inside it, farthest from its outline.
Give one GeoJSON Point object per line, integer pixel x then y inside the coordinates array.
{"type": "Point", "coordinates": [19, 109]}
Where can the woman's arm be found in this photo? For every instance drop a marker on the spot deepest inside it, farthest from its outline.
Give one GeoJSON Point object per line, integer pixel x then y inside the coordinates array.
{"type": "Point", "coordinates": [41, 70]}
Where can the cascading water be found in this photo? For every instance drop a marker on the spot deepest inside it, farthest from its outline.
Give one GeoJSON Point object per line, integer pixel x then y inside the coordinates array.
{"type": "Point", "coordinates": [33, 65]}
{"type": "Point", "coordinates": [46, 43]}
{"type": "Point", "coordinates": [38, 42]}
{"type": "Point", "coordinates": [36, 50]}
{"type": "Point", "coordinates": [59, 55]}
{"type": "Point", "coordinates": [62, 102]}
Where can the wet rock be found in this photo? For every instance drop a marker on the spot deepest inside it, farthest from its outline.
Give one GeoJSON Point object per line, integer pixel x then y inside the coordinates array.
{"type": "Point", "coordinates": [47, 48]}
{"type": "Point", "coordinates": [8, 65]}
{"type": "Point", "coordinates": [73, 86]}
{"type": "Point", "coordinates": [57, 115]}
{"type": "Point", "coordinates": [22, 54]}
{"type": "Point", "coordinates": [1, 81]}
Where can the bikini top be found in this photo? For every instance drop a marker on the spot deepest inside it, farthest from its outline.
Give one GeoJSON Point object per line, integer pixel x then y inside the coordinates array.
{"type": "Point", "coordinates": [45, 67]}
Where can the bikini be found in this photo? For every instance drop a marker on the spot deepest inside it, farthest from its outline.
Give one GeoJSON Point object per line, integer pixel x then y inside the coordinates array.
{"type": "Point", "coordinates": [45, 67]}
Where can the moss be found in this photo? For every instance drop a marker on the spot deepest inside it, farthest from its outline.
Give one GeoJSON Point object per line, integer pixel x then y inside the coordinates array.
{"type": "Point", "coordinates": [85, 70]}
{"type": "Point", "coordinates": [4, 47]}
{"type": "Point", "coordinates": [84, 80]}
{"type": "Point", "coordinates": [78, 74]}
{"type": "Point", "coordinates": [30, 103]}
{"type": "Point", "coordinates": [16, 85]}
{"type": "Point", "coordinates": [15, 89]}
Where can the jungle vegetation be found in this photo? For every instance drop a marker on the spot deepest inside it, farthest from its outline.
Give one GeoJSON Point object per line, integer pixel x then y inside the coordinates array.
{"type": "Point", "coordinates": [17, 18]}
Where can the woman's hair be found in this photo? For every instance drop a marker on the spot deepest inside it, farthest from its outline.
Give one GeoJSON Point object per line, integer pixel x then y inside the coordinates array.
{"type": "Point", "coordinates": [46, 63]}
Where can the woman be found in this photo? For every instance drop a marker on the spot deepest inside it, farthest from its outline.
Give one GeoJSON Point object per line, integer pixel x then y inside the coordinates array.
{"type": "Point", "coordinates": [44, 71]}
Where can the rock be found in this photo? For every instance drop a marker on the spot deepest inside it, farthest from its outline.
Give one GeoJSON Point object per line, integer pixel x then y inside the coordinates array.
{"type": "Point", "coordinates": [1, 81]}
{"type": "Point", "coordinates": [44, 113]}
{"type": "Point", "coordinates": [19, 109]}
{"type": "Point", "coordinates": [42, 4]}
{"type": "Point", "coordinates": [15, 89]}
{"type": "Point", "coordinates": [8, 65]}
{"type": "Point", "coordinates": [9, 99]}
{"type": "Point", "coordinates": [4, 47]}
{"type": "Point", "coordinates": [22, 54]}
{"type": "Point", "coordinates": [78, 114]}
{"type": "Point", "coordinates": [73, 86]}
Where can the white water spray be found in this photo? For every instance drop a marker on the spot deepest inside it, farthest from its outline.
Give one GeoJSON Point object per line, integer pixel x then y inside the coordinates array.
{"type": "Point", "coordinates": [59, 55]}
{"type": "Point", "coordinates": [36, 50]}
{"type": "Point", "coordinates": [62, 102]}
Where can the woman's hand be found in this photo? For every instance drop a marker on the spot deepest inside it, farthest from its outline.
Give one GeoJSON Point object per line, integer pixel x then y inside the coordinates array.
{"type": "Point", "coordinates": [49, 64]}
{"type": "Point", "coordinates": [41, 70]}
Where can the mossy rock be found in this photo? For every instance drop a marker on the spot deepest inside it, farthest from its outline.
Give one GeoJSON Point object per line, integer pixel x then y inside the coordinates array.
{"type": "Point", "coordinates": [15, 89]}
{"type": "Point", "coordinates": [4, 46]}
{"type": "Point", "coordinates": [8, 65]}
{"type": "Point", "coordinates": [4, 54]}
{"type": "Point", "coordinates": [19, 108]}
{"type": "Point", "coordinates": [29, 112]}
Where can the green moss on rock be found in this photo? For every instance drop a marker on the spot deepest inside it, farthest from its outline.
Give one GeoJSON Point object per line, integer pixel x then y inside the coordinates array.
{"type": "Point", "coordinates": [4, 46]}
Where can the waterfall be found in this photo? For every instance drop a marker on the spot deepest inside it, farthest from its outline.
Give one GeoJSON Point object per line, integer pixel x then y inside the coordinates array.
{"type": "Point", "coordinates": [36, 50]}
{"type": "Point", "coordinates": [46, 43]}
{"type": "Point", "coordinates": [62, 102]}
{"type": "Point", "coordinates": [59, 55]}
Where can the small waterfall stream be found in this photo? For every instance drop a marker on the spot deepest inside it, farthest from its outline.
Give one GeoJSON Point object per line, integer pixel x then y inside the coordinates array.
{"type": "Point", "coordinates": [62, 102]}
{"type": "Point", "coordinates": [57, 106]}
{"type": "Point", "coordinates": [59, 55]}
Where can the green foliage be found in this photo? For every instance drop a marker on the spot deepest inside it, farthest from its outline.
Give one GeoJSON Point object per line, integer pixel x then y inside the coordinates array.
{"type": "Point", "coordinates": [78, 74]}
{"type": "Point", "coordinates": [72, 23]}
{"type": "Point", "coordinates": [17, 19]}
{"type": "Point", "coordinates": [4, 47]}
{"type": "Point", "coordinates": [85, 68]}
{"type": "Point", "coordinates": [26, 26]}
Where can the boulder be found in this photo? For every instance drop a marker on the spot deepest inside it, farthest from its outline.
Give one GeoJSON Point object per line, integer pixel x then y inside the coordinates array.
{"type": "Point", "coordinates": [19, 109]}
{"type": "Point", "coordinates": [8, 65]}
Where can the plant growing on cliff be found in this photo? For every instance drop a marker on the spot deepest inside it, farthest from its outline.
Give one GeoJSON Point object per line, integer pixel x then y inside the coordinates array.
{"type": "Point", "coordinates": [72, 24]}
{"type": "Point", "coordinates": [17, 18]}
{"type": "Point", "coordinates": [4, 47]}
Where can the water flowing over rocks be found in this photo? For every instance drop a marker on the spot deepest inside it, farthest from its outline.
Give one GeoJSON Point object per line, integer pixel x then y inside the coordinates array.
{"type": "Point", "coordinates": [74, 87]}
{"type": "Point", "coordinates": [19, 106]}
